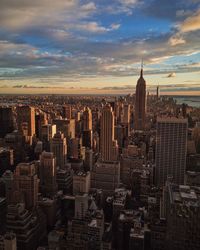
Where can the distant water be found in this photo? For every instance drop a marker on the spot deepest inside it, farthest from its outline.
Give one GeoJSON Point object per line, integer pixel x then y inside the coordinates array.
{"type": "Point", "coordinates": [193, 101]}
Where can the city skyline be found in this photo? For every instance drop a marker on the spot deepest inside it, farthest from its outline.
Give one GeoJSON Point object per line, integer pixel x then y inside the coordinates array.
{"type": "Point", "coordinates": [96, 47]}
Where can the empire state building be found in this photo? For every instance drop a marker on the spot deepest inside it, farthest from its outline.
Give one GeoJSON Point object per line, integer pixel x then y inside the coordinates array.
{"type": "Point", "coordinates": [140, 103]}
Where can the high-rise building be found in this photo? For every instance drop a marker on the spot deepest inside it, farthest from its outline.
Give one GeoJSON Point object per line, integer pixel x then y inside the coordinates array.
{"type": "Point", "coordinates": [108, 144]}
{"type": "Point", "coordinates": [75, 147]}
{"type": "Point", "coordinates": [47, 133]}
{"type": "Point", "coordinates": [67, 127]}
{"type": "Point", "coordinates": [182, 215]}
{"type": "Point", "coordinates": [87, 119]}
{"type": "Point", "coordinates": [171, 148]}
{"type": "Point", "coordinates": [3, 208]}
{"type": "Point", "coordinates": [81, 206]}
{"type": "Point", "coordinates": [47, 174]}
{"type": "Point", "coordinates": [157, 92]}
{"type": "Point", "coordinates": [26, 120]}
{"type": "Point", "coordinates": [81, 182]}
{"type": "Point", "coordinates": [6, 121]}
{"type": "Point", "coordinates": [29, 227]}
{"type": "Point", "coordinates": [40, 120]}
{"type": "Point", "coordinates": [59, 148]}
{"type": "Point", "coordinates": [67, 111]}
{"type": "Point", "coordinates": [8, 242]}
{"type": "Point", "coordinates": [140, 103]}
{"type": "Point", "coordinates": [6, 159]}
{"type": "Point", "coordinates": [106, 176]}
{"type": "Point", "coordinates": [26, 184]}
{"type": "Point", "coordinates": [87, 139]}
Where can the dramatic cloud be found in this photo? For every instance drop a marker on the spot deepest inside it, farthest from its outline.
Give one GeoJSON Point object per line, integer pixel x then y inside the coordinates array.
{"type": "Point", "coordinates": [57, 42]}
{"type": "Point", "coordinates": [191, 23]}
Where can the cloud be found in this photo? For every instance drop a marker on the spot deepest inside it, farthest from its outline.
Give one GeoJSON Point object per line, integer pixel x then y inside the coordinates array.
{"type": "Point", "coordinates": [128, 2]}
{"type": "Point", "coordinates": [173, 74]}
{"type": "Point", "coordinates": [89, 6]}
{"type": "Point", "coordinates": [94, 27]}
{"type": "Point", "coordinates": [191, 23]}
{"type": "Point", "coordinates": [176, 40]}
{"type": "Point", "coordinates": [115, 26]}
{"type": "Point", "coordinates": [57, 41]}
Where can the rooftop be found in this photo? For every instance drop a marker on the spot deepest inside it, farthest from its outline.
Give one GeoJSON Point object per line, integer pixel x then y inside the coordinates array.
{"type": "Point", "coordinates": [186, 195]}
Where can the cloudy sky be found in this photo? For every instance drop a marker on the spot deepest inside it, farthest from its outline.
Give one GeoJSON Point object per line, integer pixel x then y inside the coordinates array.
{"type": "Point", "coordinates": [79, 46]}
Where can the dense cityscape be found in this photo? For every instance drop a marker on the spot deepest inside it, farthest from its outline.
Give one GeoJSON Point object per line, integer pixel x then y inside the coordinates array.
{"type": "Point", "coordinates": [99, 172]}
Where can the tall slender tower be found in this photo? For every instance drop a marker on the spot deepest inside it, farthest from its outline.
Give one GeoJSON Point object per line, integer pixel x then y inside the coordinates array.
{"type": "Point", "coordinates": [140, 103]}
{"type": "Point", "coordinates": [87, 119]}
{"type": "Point", "coordinates": [47, 174]}
{"type": "Point", "coordinates": [108, 144]}
{"type": "Point", "coordinates": [87, 128]}
{"type": "Point", "coordinates": [59, 148]}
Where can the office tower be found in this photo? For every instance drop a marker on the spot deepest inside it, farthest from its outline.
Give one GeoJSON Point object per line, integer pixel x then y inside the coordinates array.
{"type": "Point", "coordinates": [109, 146]}
{"type": "Point", "coordinates": [81, 206]}
{"type": "Point", "coordinates": [40, 120]}
{"type": "Point", "coordinates": [121, 132]}
{"type": "Point", "coordinates": [67, 112]}
{"type": "Point", "coordinates": [140, 103]}
{"type": "Point", "coordinates": [81, 182]}
{"type": "Point", "coordinates": [88, 163]}
{"type": "Point", "coordinates": [15, 141]}
{"type": "Point", "coordinates": [26, 184]}
{"type": "Point", "coordinates": [64, 178]}
{"type": "Point", "coordinates": [67, 127]}
{"type": "Point", "coordinates": [125, 116]}
{"type": "Point", "coordinates": [26, 120]}
{"type": "Point", "coordinates": [182, 215]}
{"type": "Point", "coordinates": [87, 139]}
{"type": "Point", "coordinates": [87, 119]}
{"type": "Point", "coordinates": [8, 241]}
{"type": "Point", "coordinates": [3, 208]}
{"type": "Point", "coordinates": [77, 237]}
{"type": "Point", "coordinates": [75, 147]}
{"type": "Point", "coordinates": [29, 227]}
{"type": "Point", "coordinates": [171, 148]}
{"type": "Point", "coordinates": [95, 231]}
{"type": "Point", "coordinates": [157, 92]}
{"type": "Point", "coordinates": [47, 133]}
{"type": "Point", "coordinates": [6, 159]}
{"type": "Point", "coordinates": [6, 121]}
{"type": "Point", "coordinates": [47, 174]}
{"type": "Point", "coordinates": [7, 179]}
{"type": "Point", "coordinates": [106, 176]}
{"type": "Point", "coordinates": [59, 148]}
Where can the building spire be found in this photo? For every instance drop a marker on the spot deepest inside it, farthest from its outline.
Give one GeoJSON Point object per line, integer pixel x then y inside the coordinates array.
{"type": "Point", "coordinates": [141, 72]}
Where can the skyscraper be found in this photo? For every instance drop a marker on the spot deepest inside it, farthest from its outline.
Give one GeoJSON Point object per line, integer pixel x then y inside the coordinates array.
{"type": "Point", "coordinates": [182, 213]}
{"type": "Point", "coordinates": [26, 184]}
{"type": "Point", "coordinates": [140, 103]}
{"type": "Point", "coordinates": [59, 148]}
{"type": "Point", "coordinates": [26, 120]}
{"type": "Point", "coordinates": [6, 121]}
{"type": "Point", "coordinates": [87, 119]}
{"type": "Point", "coordinates": [47, 174]}
{"type": "Point", "coordinates": [67, 111]}
{"type": "Point", "coordinates": [171, 146]}
{"type": "Point", "coordinates": [108, 144]}
{"type": "Point", "coordinates": [87, 128]}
